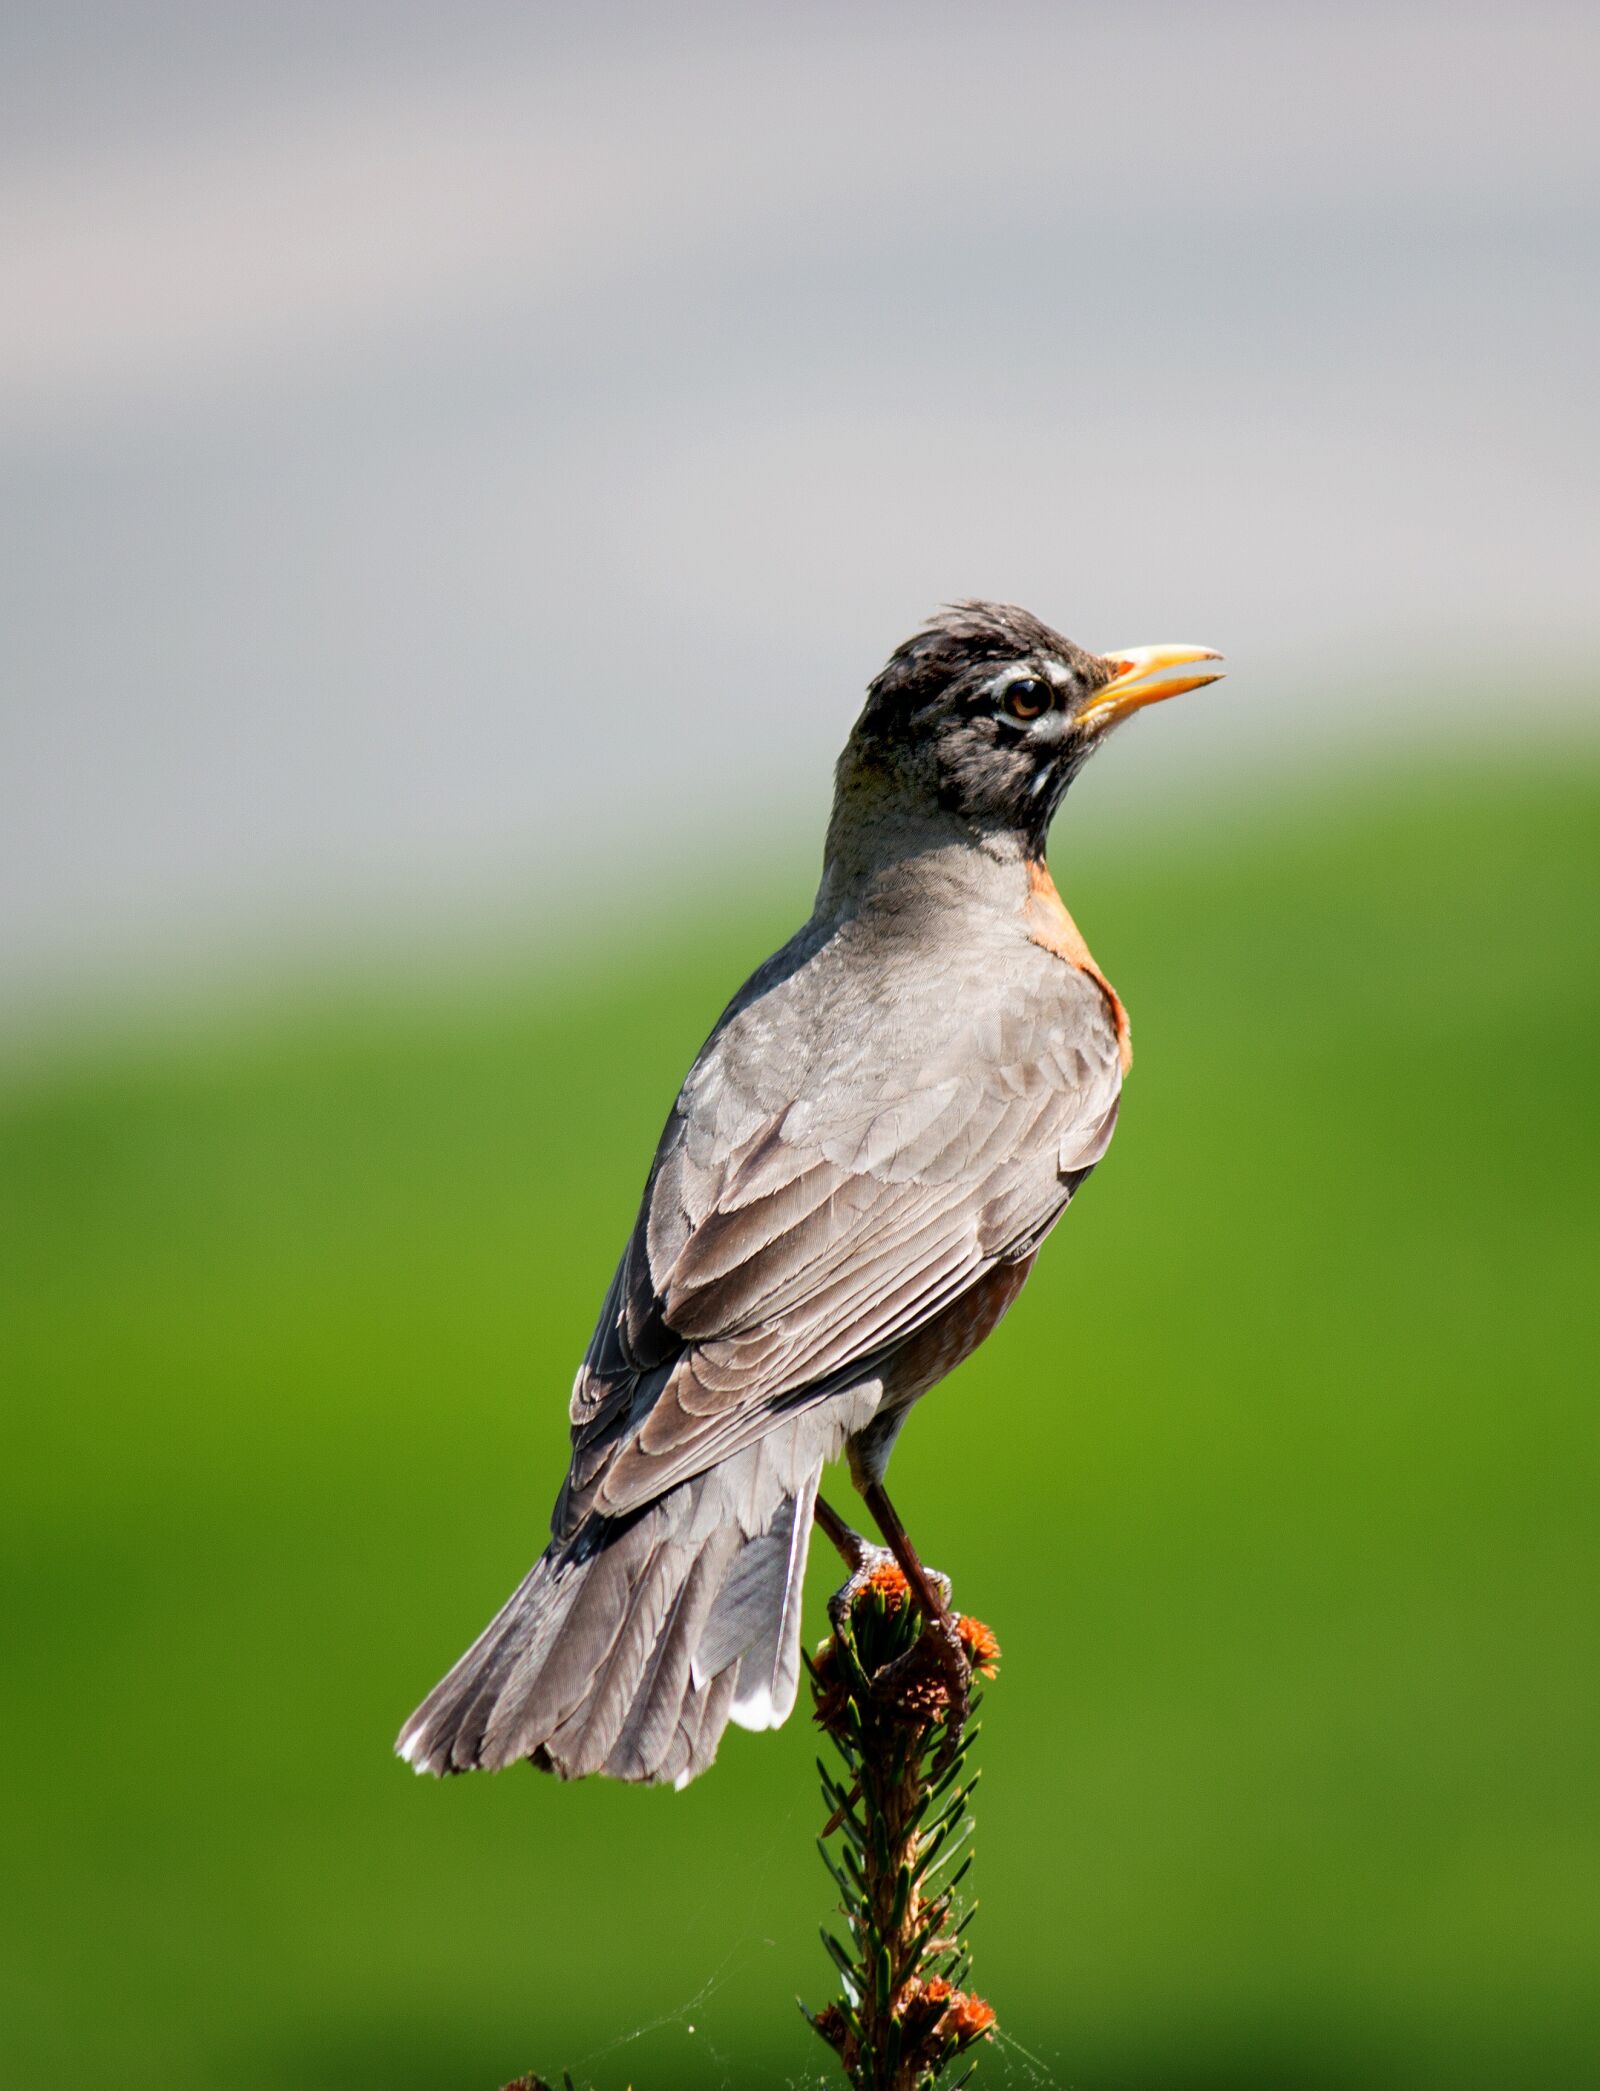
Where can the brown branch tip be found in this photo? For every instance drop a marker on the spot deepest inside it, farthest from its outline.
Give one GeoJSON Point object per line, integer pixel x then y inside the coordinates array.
{"type": "Point", "coordinates": [901, 1819]}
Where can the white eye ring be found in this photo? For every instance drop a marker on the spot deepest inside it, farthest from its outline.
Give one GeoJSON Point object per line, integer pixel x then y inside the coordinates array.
{"type": "Point", "coordinates": [1027, 697]}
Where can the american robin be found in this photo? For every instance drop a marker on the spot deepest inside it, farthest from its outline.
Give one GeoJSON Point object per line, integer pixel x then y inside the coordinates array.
{"type": "Point", "coordinates": [886, 1122]}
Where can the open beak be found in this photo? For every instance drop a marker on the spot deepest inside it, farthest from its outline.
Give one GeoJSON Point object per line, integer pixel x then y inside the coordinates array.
{"type": "Point", "coordinates": [1142, 675]}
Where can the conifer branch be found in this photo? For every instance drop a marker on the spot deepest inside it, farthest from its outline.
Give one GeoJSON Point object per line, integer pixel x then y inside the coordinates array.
{"type": "Point", "coordinates": [901, 1820]}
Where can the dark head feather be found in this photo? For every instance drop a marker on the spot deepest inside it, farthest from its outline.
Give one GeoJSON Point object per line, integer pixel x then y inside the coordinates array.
{"type": "Point", "coordinates": [963, 638]}
{"type": "Point", "coordinates": [935, 738]}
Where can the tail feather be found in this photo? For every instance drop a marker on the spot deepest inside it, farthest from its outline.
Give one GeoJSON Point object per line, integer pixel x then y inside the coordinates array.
{"type": "Point", "coordinates": [579, 1731]}
{"type": "Point", "coordinates": [645, 1747]}
{"type": "Point", "coordinates": [758, 1614]}
{"type": "Point", "coordinates": [628, 1648]}
{"type": "Point", "coordinates": [446, 1731]}
{"type": "Point", "coordinates": [620, 1590]}
{"type": "Point", "coordinates": [700, 1738]}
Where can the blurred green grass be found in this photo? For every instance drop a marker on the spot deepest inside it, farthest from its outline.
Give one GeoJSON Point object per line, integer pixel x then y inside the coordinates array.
{"type": "Point", "coordinates": [1279, 1487]}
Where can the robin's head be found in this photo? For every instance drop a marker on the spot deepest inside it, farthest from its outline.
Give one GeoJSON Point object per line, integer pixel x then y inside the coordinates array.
{"type": "Point", "coordinates": [987, 715]}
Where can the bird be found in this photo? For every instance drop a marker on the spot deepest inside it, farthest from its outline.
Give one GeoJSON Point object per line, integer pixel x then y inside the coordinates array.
{"type": "Point", "coordinates": [850, 1191]}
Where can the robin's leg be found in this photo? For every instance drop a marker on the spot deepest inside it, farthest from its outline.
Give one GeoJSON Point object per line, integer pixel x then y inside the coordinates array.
{"type": "Point", "coordinates": [932, 1594]}
{"type": "Point", "coordinates": [855, 1552]}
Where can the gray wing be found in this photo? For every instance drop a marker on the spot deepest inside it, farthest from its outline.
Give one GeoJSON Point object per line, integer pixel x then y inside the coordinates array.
{"type": "Point", "coordinates": [867, 1132]}
{"type": "Point", "coordinates": [835, 1172]}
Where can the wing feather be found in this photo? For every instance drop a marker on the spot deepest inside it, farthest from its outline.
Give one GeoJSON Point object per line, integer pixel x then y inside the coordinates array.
{"type": "Point", "coordinates": [819, 1195]}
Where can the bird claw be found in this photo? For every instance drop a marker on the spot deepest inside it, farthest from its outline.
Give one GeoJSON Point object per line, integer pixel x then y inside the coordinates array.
{"type": "Point", "coordinates": [904, 1682]}
{"type": "Point", "coordinates": [864, 1560]}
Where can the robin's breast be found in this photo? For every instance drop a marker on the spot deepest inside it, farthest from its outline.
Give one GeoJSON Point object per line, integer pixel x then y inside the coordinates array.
{"type": "Point", "coordinates": [953, 1335]}
{"type": "Point", "coordinates": [1053, 930]}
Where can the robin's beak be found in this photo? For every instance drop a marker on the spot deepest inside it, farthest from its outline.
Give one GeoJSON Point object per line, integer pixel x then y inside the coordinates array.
{"type": "Point", "coordinates": [1142, 675]}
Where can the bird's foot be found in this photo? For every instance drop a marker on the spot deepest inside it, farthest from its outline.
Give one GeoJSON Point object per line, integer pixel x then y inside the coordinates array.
{"type": "Point", "coordinates": [864, 1561]}
{"type": "Point", "coordinates": [933, 1678]}
{"type": "Point", "coordinates": [867, 1562]}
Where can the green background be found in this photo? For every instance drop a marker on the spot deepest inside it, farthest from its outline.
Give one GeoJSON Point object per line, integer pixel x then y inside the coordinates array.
{"type": "Point", "coordinates": [1278, 1487]}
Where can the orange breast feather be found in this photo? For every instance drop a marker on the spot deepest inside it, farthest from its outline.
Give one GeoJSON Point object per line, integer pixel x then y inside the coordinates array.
{"type": "Point", "coordinates": [1051, 927]}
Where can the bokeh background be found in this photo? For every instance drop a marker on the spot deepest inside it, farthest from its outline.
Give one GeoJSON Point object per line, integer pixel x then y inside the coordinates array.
{"type": "Point", "coordinates": [458, 469]}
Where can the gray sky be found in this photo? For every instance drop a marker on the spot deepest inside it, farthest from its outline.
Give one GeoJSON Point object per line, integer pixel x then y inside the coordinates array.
{"type": "Point", "coordinates": [447, 455]}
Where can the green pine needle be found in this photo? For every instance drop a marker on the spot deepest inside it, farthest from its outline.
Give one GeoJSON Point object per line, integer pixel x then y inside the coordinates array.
{"type": "Point", "coordinates": [901, 1817]}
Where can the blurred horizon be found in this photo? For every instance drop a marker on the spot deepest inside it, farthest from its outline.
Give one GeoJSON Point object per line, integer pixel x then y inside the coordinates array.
{"type": "Point", "coordinates": [426, 444]}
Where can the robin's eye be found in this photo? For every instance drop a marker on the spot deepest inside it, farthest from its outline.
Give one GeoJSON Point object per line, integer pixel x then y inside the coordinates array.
{"type": "Point", "coordinates": [1027, 697]}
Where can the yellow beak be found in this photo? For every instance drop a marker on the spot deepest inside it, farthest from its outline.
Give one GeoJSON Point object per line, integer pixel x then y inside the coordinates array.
{"type": "Point", "coordinates": [1142, 675]}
